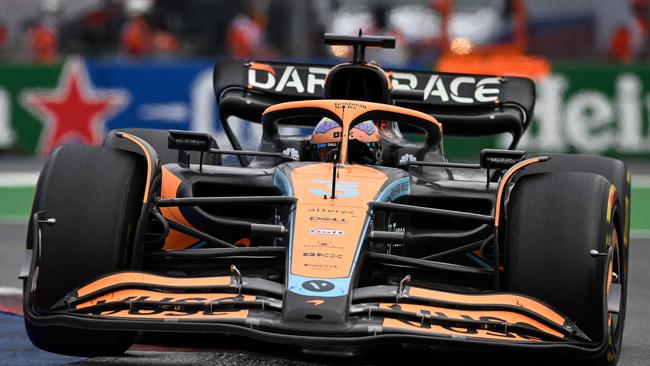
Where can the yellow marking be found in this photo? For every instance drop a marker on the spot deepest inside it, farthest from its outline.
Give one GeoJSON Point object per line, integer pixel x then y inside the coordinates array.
{"type": "Point", "coordinates": [610, 198]}
{"type": "Point", "coordinates": [626, 233]}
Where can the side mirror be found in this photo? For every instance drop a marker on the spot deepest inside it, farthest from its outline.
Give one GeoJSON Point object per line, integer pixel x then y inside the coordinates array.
{"type": "Point", "coordinates": [189, 141]}
{"type": "Point", "coordinates": [500, 159]}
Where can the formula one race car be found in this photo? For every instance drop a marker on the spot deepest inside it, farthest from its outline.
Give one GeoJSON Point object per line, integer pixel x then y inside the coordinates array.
{"type": "Point", "coordinates": [347, 230]}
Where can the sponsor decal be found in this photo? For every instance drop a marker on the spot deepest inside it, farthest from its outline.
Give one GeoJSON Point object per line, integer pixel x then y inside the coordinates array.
{"type": "Point", "coordinates": [595, 111]}
{"type": "Point", "coordinates": [177, 314]}
{"type": "Point", "coordinates": [74, 111]}
{"type": "Point", "coordinates": [325, 244]}
{"type": "Point", "coordinates": [461, 89]}
{"type": "Point", "coordinates": [351, 105]}
{"type": "Point", "coordinates": [164, 305]}
{"type": "Point", "coordinates": [292, 152]}
{"type": "Point", "coordinates": [501, 161]}
{"type": "Point", "coordinates": [243, 242]}
{"type": "Point", "coordinates": [326, 232]}
{"type": "Point", "coordinates": [332, 220]}
{"type": "Point", "coordinates": [321, 267]}
{"type": "Point", "coordinates": [472, 329]}
{"type": "Point", "coordinates": [100, 96]}
{"type": "Point", "coordinates": [436, 88]}
{"type": "Point", "coordinates": [336, 211]}
{"type": "Point", "coordinates": [460, 331]}
{"type": "Point", "coordinates": [315, 302]}
{"type": "Point", "coordinates": [323, 255]}
{"type": "Point", "coordinates": [318, 285]}
{"type": "Point", "coordinates": [296, 79]}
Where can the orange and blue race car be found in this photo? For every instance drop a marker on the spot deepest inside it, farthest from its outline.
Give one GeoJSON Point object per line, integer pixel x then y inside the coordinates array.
{"type": "Point", "coordinates": [347, 230]}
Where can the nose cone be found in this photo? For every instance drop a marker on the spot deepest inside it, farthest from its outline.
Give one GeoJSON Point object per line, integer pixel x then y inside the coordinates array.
{"type": "Point", "coordinates": [308, 312]}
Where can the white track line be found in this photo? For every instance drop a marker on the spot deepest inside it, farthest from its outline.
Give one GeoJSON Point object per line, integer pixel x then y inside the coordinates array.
{"type": "Point", "coordinates": [14, 219]}
{"type": "Point", "coordinates": [640, 234]}
{"type": "Point", "coordinates": [641, 181]}
{"type": "Point", "coordinates": [18, 179]}
{"type": "Point", "coordinates": [10, 291]}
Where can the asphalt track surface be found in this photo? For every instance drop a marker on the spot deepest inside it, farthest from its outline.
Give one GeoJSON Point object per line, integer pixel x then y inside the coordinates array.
{"type": "Point", "coordinates": [15, 348]}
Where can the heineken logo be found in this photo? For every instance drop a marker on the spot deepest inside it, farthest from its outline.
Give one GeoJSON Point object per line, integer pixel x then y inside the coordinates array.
{"type": "Point", "coordinates": [577, 117]}
{"type": "Point", "coordinates": [74, 111]}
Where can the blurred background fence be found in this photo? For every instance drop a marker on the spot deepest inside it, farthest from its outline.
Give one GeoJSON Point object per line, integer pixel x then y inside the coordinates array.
{"type": "Point", "coordinates": [147, 63]}
{"type": "Point", "coordinates": [587, 108]}
{"type": "Point", "coordinates": [72, 70]}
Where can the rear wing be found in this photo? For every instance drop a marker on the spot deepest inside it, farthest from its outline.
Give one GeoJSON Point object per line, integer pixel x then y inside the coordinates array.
{"type": "Point", "coordinates": [467, 105]}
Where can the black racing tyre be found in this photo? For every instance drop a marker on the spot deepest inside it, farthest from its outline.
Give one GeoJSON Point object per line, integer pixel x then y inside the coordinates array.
{"type": "Point", "coordinates": [158, 139]}
{"type": "Point", "coordinates": [553, 222]}
{"type": "Point", "coordinates": [613, 169]}
{"type": "Point", "coordinates": [95, 194]}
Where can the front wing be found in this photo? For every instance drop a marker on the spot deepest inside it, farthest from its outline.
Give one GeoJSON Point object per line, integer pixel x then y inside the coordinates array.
{"type": "Point", "coordinates": [254, 308]}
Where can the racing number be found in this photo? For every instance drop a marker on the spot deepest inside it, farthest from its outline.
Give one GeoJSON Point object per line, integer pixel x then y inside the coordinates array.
{"type": "Point", "coordinates": [343, 189]}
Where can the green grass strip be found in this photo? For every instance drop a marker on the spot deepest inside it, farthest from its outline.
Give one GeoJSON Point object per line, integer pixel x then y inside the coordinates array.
{"type": "Point", "coordinates": [640, 208]}
{"type": "Point", "coordinates": [16, 202]}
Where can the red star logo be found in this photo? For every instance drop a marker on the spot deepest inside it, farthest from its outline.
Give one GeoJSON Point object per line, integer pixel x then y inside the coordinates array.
{"type": "Point", "coordinates": [74, 111]}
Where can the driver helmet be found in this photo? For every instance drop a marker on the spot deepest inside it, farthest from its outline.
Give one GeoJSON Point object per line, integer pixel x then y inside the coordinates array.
{"type": "Point", "coordinates": [363, 147]}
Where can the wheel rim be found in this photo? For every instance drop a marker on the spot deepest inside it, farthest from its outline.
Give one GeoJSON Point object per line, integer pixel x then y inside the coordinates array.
{"type": "Point", "coordinates": [614, 279]}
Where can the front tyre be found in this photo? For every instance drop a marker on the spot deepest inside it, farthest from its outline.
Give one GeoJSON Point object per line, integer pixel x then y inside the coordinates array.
{"type": "Point", "coordinates": [95, 194]}
{"type": "Point", "coordinates": [562, 247]}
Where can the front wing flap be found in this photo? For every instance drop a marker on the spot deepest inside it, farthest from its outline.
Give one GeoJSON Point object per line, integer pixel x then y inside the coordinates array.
{"type": "Point", "coordinates": [151, 302]}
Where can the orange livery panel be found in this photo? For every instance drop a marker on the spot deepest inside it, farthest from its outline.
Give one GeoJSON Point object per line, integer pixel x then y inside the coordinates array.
{"type": "Point", "coordinates": [326, 231]}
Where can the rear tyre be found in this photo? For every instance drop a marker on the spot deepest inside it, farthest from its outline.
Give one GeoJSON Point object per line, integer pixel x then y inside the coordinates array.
{"type": "Point", "coordinates": [554, 221]}
{"type": "Point", "coordinates": [95, 195]}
